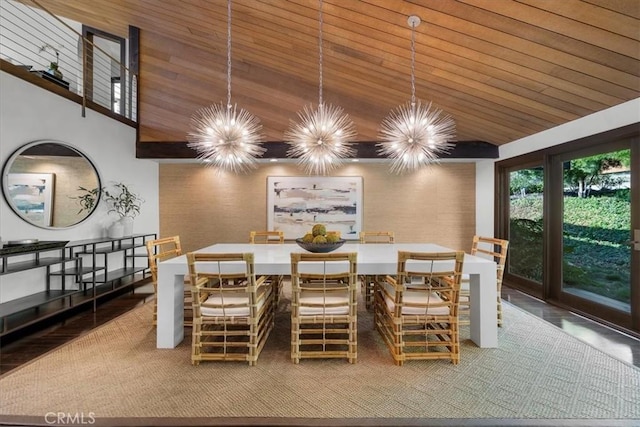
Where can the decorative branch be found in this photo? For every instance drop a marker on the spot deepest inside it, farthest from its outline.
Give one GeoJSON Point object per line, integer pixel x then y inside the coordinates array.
{"type": "Point", "coordinates": [57, 52]}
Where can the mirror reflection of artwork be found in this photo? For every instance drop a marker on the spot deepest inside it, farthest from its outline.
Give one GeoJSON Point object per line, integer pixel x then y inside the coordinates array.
{"type": "Point", "coordinates": [295, 204]}
{"type": "Point", "coordinates": [75, 192]}
{"type": "Point", "coordinates": [32, 194]}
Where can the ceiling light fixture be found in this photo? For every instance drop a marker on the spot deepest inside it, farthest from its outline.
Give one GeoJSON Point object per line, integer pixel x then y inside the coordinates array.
{"type": "Point", "coordinates": [225, 136]}
{"type": "Point", "coordinates": [321, 141]}
{"type": "Point", "coordinates": [415, 134]}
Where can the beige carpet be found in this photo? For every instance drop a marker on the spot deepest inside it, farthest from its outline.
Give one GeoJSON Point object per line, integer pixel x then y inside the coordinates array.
{"type": "Point", "coordinates": [115, 372]}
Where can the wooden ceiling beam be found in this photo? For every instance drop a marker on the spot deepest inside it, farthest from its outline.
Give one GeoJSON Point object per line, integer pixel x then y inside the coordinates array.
{"type": "Point", "coordinates": [278, 150]}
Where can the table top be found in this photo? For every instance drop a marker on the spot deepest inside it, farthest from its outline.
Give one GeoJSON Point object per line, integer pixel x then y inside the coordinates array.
{"type": "Point", "coordinates": [373, 258]}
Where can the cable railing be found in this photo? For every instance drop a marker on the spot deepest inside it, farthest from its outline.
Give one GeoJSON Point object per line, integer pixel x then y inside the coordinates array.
{"type": "Point", "coordinates": [54, 49]}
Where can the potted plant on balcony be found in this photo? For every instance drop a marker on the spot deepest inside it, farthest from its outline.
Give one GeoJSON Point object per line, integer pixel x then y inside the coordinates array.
{"type": "Point", "coordinates": [53, 66]}
{"type": "Point", "coordinates": [53, 69]}
{"type": "Point", "coordinates": [126, 204]}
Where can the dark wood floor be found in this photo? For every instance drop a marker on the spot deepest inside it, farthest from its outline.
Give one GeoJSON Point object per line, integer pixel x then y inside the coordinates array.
{"type": "Point", "coordinates": [20, 349]}
{"type": "Point", "coordinates": [617, 344]}
{"type": "Point", "coordinates": [25, 345]}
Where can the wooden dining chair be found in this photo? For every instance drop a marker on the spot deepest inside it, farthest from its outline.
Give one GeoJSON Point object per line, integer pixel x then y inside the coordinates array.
{"type": "Point", "coordinates": [496, 250]}
{"type": "Point", "coordinates": [263, 237]}
{"type": "Point", "coordinates": [159, 250]}
{"type": "Point", "coordinates": [324, 320]}
{"type": "Point", "coordinates": [367, 282]}
{"type": "Point", "coordinates": [420, 321]}
{"type": "Point", "coordinates": [270, 237]}
{"type": "Point", "coordinates": [233, 310]}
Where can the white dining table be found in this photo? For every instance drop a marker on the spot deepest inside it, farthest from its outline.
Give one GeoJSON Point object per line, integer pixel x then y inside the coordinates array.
{"type": "Point", "coordinates": [373, 259]}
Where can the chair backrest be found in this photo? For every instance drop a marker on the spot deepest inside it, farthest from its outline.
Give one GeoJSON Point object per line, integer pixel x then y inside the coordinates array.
{"type": "Point", "coordinates": [376, 237]}
{"type": "Point", "coordinates": [496, 249]}
{"type": "Point", "coordinates": [229, 276]}
{"type": "Point", "coordinates": [319, 275]}
{"type": "Point", "coordinates": [263, 237]}
{"type": "Point", "coordinates": [439, 272]}
{"type": "Point", "coordinates": [160, 250]}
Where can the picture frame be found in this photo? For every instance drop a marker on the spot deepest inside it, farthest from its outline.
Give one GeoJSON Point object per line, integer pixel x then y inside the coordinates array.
{"type": "Point", "coordinates": [295, 204]}
{"type": "Point", "coordinates": [32, 195]}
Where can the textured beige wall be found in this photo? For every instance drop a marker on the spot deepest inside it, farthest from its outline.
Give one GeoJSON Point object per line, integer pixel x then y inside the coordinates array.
{"type": "Point", "coordinates": [204, 206]}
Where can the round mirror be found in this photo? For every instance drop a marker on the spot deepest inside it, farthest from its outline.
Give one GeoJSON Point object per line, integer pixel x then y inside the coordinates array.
{"type": "Point", "coordinates": [50, 184]}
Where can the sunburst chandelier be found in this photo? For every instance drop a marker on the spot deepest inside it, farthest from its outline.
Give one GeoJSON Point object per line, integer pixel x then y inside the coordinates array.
{"type": "Point", "coordinates": [225, 136]}
{"type": "Point", "coordinates": [321, 141]}
{"type": "Point", "coordinates": [415, 134]}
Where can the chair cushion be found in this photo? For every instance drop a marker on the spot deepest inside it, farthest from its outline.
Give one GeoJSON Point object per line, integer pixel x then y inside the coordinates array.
{"type": "Point", "coordinates": [415, 297]}
{"type": "Point", "coordinates": [230, 298]}
{"type": "Point", "coordinates": [307, 298]}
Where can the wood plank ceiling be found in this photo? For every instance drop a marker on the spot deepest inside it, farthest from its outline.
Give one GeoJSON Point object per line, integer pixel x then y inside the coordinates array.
{"type": "Point", "coordinates": [504, 69]}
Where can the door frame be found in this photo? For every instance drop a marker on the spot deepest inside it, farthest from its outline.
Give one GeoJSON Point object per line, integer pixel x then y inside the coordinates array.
{"type": "Point", "coordinates": [625, 137]}
{"type": "Point", "coordinates": [502, 224]}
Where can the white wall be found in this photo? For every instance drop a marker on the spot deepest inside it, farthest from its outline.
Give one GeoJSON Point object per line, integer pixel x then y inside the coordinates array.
{"type": "Point", "coordinates": [612, 118]}
{"type": "Point", "coordinates": [29, 113]}
{"type": "Point", "coordinates": [620, 115]}
{"type": "Point", "coordinates": [485, 197]}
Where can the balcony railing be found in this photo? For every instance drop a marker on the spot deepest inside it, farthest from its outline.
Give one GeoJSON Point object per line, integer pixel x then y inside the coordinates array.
{"type": "Point", "coordinates": [54, 49]}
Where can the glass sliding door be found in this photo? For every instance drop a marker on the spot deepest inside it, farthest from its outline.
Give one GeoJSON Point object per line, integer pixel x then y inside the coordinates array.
{"type": "Point", "coordinates": [525, 233]}
{"type": "Point", "coordinates": [591, 216]}
{"type": "Point", "coordinates": [572, 215]}
{"type": "Point", "coordinates": [596, 226]}
{"type": "Point", "coordinates": [520, 219]}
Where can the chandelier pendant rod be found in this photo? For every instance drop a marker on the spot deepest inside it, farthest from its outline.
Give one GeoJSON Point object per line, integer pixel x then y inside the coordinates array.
{"type": "Point", "coordinates": [414, 23]}
{"type": "Point", "coordinates": [320, 22]}
{"type": "Point", "coordinates": [229, 54]}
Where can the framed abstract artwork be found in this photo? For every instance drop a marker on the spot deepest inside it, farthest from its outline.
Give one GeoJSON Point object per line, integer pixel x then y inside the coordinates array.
{"type": "Point", "coordinates": [32, 195]}
{"type": "Point", "coordinates": [295, 204]}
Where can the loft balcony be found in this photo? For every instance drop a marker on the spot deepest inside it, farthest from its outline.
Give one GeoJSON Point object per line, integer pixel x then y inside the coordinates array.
{"type": "Point", "coordinates": [80, 63]}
